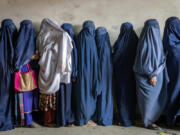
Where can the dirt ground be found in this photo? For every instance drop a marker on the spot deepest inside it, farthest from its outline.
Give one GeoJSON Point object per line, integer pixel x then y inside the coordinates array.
{"type": "Point", "coordinates": [98, 130]}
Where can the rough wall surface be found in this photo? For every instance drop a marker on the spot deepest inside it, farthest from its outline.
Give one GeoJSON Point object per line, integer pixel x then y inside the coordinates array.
{"type": "Point", "coordinates": [108, 13]}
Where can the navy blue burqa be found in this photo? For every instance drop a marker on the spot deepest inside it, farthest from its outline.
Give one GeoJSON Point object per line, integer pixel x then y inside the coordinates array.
{"type": "Point", "coordinates": [171, 41]}
{"type": "Point", "coordinates": [125, 84]}
{"type": "Point", "coordinates": [25, 45]}
{"type": "Point", "coordinates": [8, 35]}
{"type": "Point", "coordinates": [87, 78]}
{"type": "Point", "coordinates": [104, 106]}
{"type": "Point", "coordinates": [64, 113]}
{"type": "Point", "coordinates": [23, 51]}
{"type": "Point", "coordinates": [149, 62]}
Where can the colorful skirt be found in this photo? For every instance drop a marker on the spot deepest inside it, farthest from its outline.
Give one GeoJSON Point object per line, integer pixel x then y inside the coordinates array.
{"type": "Point", "coordinates": [47, 105]}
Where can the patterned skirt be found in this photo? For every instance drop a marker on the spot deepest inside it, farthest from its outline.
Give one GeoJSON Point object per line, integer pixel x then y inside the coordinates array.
{"type": "Point", "coordinates": [47, 105]}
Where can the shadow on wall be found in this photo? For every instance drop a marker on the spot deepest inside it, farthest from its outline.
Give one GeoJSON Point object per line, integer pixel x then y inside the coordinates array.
{"type": "Point", "coordinates": [77, 28]}
{"type": "Point", "coordinates": [138, 31]}
{"type": "Point", "coordinates": [36, 27]}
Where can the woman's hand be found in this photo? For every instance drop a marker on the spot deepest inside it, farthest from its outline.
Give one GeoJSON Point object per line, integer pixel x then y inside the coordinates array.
{"type": "Point", "coordinates": [153, 81]}
{"type": "Point", "coordinates": [35, 57]}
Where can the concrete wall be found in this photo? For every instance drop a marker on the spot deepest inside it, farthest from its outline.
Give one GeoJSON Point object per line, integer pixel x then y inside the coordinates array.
{"type": "Point", "coordinates": [108, 13]}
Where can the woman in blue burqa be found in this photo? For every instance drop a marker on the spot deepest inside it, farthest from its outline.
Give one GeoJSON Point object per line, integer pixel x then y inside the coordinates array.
{"type": "Point", "coordinates": [25, 102]}
{"type": "Point", "coordinates": [8, 33]}
{"type": "Point", "coordinates": [104, 108]}
{"type": "Point", "coordinates": [64, 112]}
{"type": "Point", "coordinates": [125, 84]}
{"type": "Point", "coordinates": [171, 42]}
{"type": "Point", "coordinates": [151, 74]}
{"type": "Point", "coordinates": [86, 83]}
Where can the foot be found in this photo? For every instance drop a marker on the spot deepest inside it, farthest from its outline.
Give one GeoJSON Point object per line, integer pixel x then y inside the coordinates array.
{"type": "Point", "coordinates": [91, 124]}
{"type": "Point", "coordinates": [154, 127]}
{"type": "Point", "coordinates": [34, 125]}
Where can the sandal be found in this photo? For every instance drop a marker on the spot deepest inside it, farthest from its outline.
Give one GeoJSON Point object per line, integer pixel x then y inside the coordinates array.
{"type": "Point", "coordinates": [154, 127]}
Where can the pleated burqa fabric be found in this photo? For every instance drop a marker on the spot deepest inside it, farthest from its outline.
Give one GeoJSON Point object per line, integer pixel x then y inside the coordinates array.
{"type": "Point", "coordinates": [24, 49]}
{"type": "Point", "coordinates": [25, 45]}
{"type": "Point", "coordinates": [125, 84]}
{"type": "Point", "coordinates": [8, 33]}
{"type": "Point", "coordinates": [86, 84]}
{"type": "Point", "coordinates": [171, 42]}
{"type": "Point", "coordinates": [149, 62]}
{"type": "Point", "coordinates": [64, 114]}
{"type": "Point", "coordinates": [104, 106]}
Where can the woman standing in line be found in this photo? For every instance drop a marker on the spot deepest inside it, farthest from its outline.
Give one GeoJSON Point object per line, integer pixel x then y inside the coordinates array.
{"type": "Point", "coordinates": [151, 74]}
{"type": "Point", "coordinates": [171, 42]}
{"type": "Point", "coordinates": [104, 105]}
{"type": "Point", "coordinates": [87, 78]}
{"type": "Point", "coordinates": [54, 46]}
{"type": "Point", "coordinates": [64, 111]}
{"type": "Point", "coordinates": [123, 60]}
{"type": "Point", "coordinates": [26, 102]}
{"type": "Point", "coordinates": [8, 33]}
